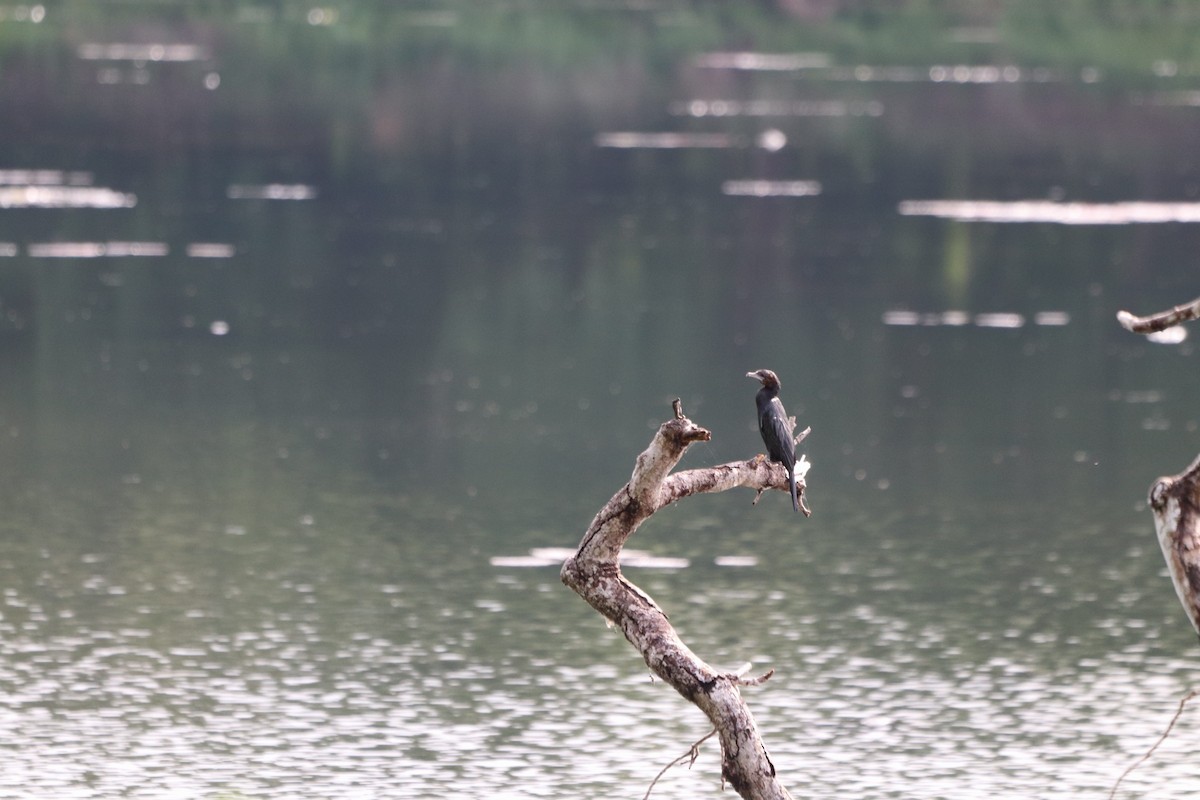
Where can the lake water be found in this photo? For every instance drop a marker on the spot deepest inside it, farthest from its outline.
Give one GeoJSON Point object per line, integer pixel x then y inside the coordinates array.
{"type": "Point", "coordinates": [317, 322]}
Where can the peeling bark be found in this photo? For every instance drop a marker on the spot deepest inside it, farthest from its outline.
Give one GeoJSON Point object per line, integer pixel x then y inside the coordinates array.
{"type": "Point", "coordinates": [594, 573]}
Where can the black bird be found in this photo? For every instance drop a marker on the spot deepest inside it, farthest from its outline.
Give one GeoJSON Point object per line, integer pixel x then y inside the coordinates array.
{"type": "Point", "coordinates": [774, 426]}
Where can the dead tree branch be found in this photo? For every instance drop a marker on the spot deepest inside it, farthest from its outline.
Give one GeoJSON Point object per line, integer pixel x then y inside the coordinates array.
{"type": "Point", "coordinates": [1160, 321]}
{"type": "Point", "coordinates": [594, 573]}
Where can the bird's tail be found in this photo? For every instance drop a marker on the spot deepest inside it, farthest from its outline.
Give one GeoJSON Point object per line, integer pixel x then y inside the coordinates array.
{"type": "Point", "coordinates": [792, 482]}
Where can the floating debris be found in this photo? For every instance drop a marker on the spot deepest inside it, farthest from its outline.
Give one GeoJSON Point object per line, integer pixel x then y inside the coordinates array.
{"type": "Point", "coordinates": [736, 561]}
{"type": "Point", "coordinates": [954, 318]}
{"type": "Point", "coordinates": [522, 562]}
{"type": "Point", "coordinates": [775, 108]}
{"type": "Point", "coordinates": [864, 73]}
{"type": "Point", "coordinates": [963, 73]}
{"type": "Point", "coordinates": [772, 140]}
{"type": "Point", "coordinates": [271, 191]}
{"type": "Point", "coordinates": [555, 556]}
{"type": "Point", "coordinates": [758, 188]}
{"type": "Point", "coordinates": [1126, 213]}
{"type": "Point", "coordinates": [647, 561]}
{"type": "Point", "coordinates": [111, 76]}
{"type": "Point", "coordinates": [666, 141]}
{"type": "Point", "coordinates": [953, 73]}
{"type": "Point", "coordinates": [210, 250]}
{"type": "Point", "coordinates": [93, 51]}
{"type": "Point", "coordinates": [1177, 334]}
{"type": "Point", "coordinates": [999, 320]}
{"type": "Point", "coordinates": [763, 62]}
{"type": "Point", "coordinates": [901, 318]}
{"type": "Point", "coordinates": [1052, 318]}
{"type": "Point", "coordinates": [43, 196]}
{"type": "Point", "coordinates": [97, 249]}
{"type": "Point", "coordinates": [44, 177]}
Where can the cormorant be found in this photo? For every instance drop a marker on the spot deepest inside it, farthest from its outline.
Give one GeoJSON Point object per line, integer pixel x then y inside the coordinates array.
{"type": "Point", "coordinates": [774, 427]}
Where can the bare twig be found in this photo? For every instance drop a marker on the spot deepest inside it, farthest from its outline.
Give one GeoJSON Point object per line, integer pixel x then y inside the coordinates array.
{"type": "Point", "coordinates": [690, 757]}
{"type": "Point", "coordinates": [1160, 321]}
{"type": "Point", "coordinates": [1187, 697]}
{"type": "Point", "coordinates": [802, 435]}
{"type": "Point", "coordinates": [755, 681]}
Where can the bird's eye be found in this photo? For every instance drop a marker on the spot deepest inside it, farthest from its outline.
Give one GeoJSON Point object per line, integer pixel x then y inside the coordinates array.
{"type": "Point", "coordinates": [1158, 494]}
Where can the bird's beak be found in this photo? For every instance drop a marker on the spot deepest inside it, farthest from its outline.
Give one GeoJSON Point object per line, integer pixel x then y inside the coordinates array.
{"type": "Point", "coordinates": [752, 375]}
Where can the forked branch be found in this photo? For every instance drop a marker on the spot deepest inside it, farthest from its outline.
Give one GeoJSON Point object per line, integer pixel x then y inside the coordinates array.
{"type": "Point", "coordinates": [594, 573]}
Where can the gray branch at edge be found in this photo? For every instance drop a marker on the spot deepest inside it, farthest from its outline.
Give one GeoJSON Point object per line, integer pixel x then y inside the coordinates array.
{"type": "Point", "coordinates": [1154, 323]}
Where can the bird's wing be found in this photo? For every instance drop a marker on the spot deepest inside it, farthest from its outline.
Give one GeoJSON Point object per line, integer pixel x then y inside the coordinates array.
{"type": "Point", "coordinates": [782, 433]}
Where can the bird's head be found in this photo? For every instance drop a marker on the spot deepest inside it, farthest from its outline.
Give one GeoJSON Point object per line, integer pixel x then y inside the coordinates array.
{"type": "Point", "coordinates": [765, 377]}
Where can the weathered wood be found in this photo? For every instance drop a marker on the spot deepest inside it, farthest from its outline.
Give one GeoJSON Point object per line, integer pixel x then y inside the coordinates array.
{"type": "Point", "coordinates": [594, 573]}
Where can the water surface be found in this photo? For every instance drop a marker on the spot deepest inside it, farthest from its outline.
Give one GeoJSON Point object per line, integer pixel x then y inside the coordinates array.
{"type": "Point", "coordinates": [315, 324]}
